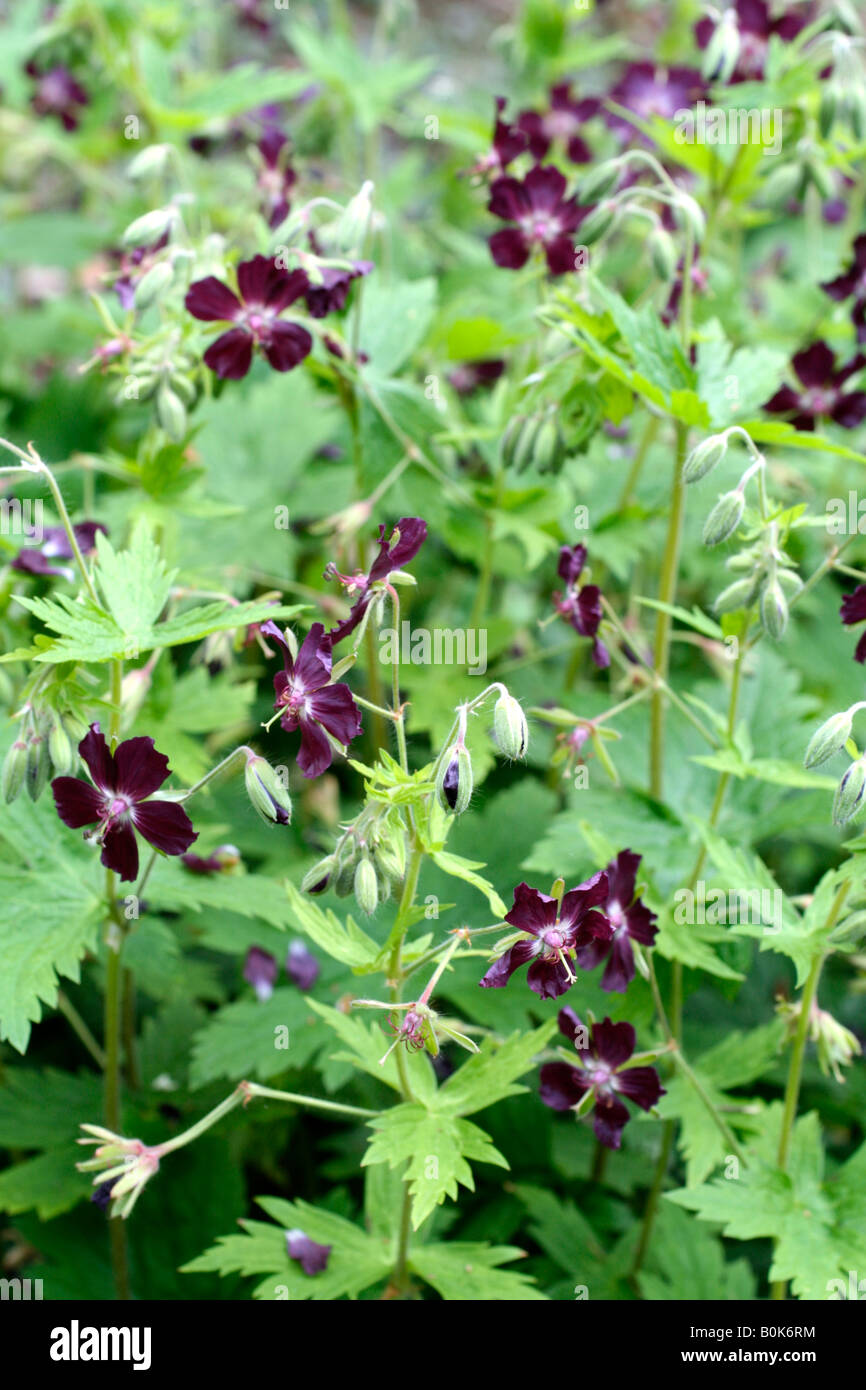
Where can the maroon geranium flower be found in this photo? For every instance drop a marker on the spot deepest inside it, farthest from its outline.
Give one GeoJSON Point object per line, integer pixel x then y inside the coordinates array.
{"type": "Point", "coordinates": [852, 283]}
{"type": "Point", "coordinates": [508, 142]}
{"type": "Point", "coordinates": [302, 967]}
{"type": "Point", "coordinates": [853, 611]}
{"type": "Point", "coordinates": [822, 395]}
{"type": "Point", "coordinates": [311, 1257]}
{"type": "Point", "coordinates": [631, 921]}
{"type": "Point", "coordinates": [309, 702]}
{"type": "Point", "coordinates": [605, 1050]}
{"type": "Point", "coordinates": [41, 559]}
{"type": "Point", "coordinates": [223, 859]}
{"type": "Point", "coordinates": [561, 124]}
{"type": "Point", "coordinates": [468, 376]}
{"type": "Point", "coordinates": [265, 292]}
{"type": "Point", "coordinates": [554, 932]}
{"type": "Point", "coordinates": [57, 94]}
{"type": "Point", "coordinates": [261, 971]}
{"type": "Point", "coordinates": [541, 216]}
{"type": "Point", "coordinates": [121, 801]}
{"type": "Point", "coordinates": [395, 551]}
{"type": "Point", "coordinates": [328, 295]}
{"type": "Point", "coordinates": [756, 23]}
{"type": "Point", "coordinates": [580, 606]}
{"type": "Point", "coordinates": [276, 175]}
{"type": "Point", "coordinates": [649, 89]}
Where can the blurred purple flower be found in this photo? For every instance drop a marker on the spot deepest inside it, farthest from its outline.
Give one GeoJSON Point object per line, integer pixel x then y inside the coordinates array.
{"type": "Point", "coordinates": [312, 1258]}
{"type": "Point", "coordinates": [57, 94]}
{"type": "Point", "coordinates": [396, 550]}
{"type": "Point", "coordinates": [261, 971]}
{"type": "Point", "coordinates": [265, 292]}
{"type": "Point", "coordinates": [554, 931]}
{"type": "Point", "coordinates": [852, 284]}
{"type": "Point", "coordinates": [541, 216]}
{"type": "Point", "coordinates": [822, 395]}
{"type": "Point", "coordinates": [603, 1071]}
{"type": "Point", "coordinates": [631, 921]}
{"type": "Point", "coordinates": [560, 124]}
{"type": "Point", "coordinates": [853, 611]}
{"type": "Point", "coordinates": [301, 966]}
{"type": "Point", "coordinates": [580, 606]}
{"type": "Point", "coordinates": [40, 559]}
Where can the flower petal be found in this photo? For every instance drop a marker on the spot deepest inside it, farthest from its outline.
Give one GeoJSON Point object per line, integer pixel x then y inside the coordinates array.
{"type": "Point", "coordinates": [562, 1086]}
{"type": "Point", "coordinates": [139, 769]}
{"type": "Point", "coordinates": [95, 752]}
{"type": "Point", "coordinates": [315, 755]}
{"type": "Point", "coordinates": [288, 345]}
{"type": "Point", "coordinates": [231, 355]}
{"type": "Point", "coordinates": [120, 851]}
{"type": "Point", "coordinates": [640, 1084]}
{"type": "Point", "coordinates": [165, 825]}
{"type": "Point", "coordinates": [549, 978]}
{"type": "Point", "coordinates": [211, 300]}
{"type": "Point", "coordinates": [509, 248]}
{"type": "Point", "coordinates": [814, 365]}
{"type": "Point", "coordinates": [532, 911]}
{"type": "Point", "coordinates": [334, 708]}
{"type": "Point", "coordinates": [609, 1120]}
{"type": "Point", "coordinates": [77, 802]}
{"type": "Point", "coordinates": [501, 970]}
{"type": "Point", "coordinates": [613, 1043]}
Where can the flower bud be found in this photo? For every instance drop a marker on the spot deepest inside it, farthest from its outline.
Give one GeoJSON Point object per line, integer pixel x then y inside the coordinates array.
{"type": "Point", "coordinates": [60, 749]}
{"type": "Point", "coordinates": [704, 457]}
{"type": "Point", "coordinates": [144, 231]}
{"type": "Point", "coordinates": [548, 447]}
{"type": "Point", "coordinates": [523, 445]}
{"type": "Point", "coordinates": [390, 857]}
{"type": "Point", "coordinates": [724, 519]}
{"type": "Point", "coordinates": [828, 108]}
{"type": "Point", "coordinates": [599, 182]}
{"type": "Point", "coordinates": [344, 880]}
{"type": "Point", "coordinates": [316, 880]}
{"type": "Point", "coordinates": [740, 594]}
{"type": "Point", "coordinates": [365, 886]}
{"type": "Point", "coordinates": [829, 739]}
{"type": "Point", "coordinates": [149, 163]}
{"type": "Point", "coordinates": [820, 177]}
{"type": "Point", "coordinates": [14, 771]}
{"type": "Point", "coordinates": [350, 230]}
{"type": "Point", "coordinates": [663, 253]}
{"type": "Point", "coordinates": [266, 792]}
{"type": "Point", "coordinates": [855, 110]}
{"type": "Point", "coordinates": [510, 730]}
{"type": "Point", "coordinates": [454, 782]}
{"type": "Point", "coordinates": [598, 222]}
{"type": "Point", "coordinates": [849, 794]}
{"type": "Point", "coordinates": [773, 609]}
{"type": "Point", "coordinates": [171, 413]}
{"type": "Point", "coordinates": [723, 50]}
{"type": "Point", "coordinates": [152, 285]}
{"type": "Point", "coordinates": [690, 214]}
{"type": "Point", "coordinates": [38, 766]}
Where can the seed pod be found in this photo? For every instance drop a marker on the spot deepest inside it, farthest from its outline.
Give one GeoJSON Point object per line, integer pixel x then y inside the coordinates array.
{"type": "Point", "coordinates": [773, 609]}
{"type": "Point", "coordinates": [829, 739]}
{"type": "Point", "coordinates": [598, 222]}
{"type": "Point", "coordinates": [152, 285]}
{"type": "Point", "coordinates": [14, 771]}
{"type": "Point", "coordinates": [365, 886]}
{"type": "Point", "coordinates": [144, 231]}
{"type": "Point", "coordinates": [724, 519]}
{"type": "Point", "coordinates": [383, 883]}
{"type": "Point", "coordinates": [266, 792]}
{"type": "Point", "coordinates": [663, 253]}
{"type": "Point", "coordinates": [704, 457]}
{"type": "Point", "coordinates": [454, 782]}
{"type": "Point", "coordinates": [171, 413]}
{"type": "Point", "coordinates": [740, 594]}
{"type": "Point", "coordinates": [316, 880]}
{"type": "Point", "coordinates": [849, 794]}
{"type": "Point", "coordinates": [38, 766]}
{"type": "Point", "coordinates": [60, 749]}
{"type": "Point", "coordinates": [599, 182]}
{"type": "Point", "coordinates": [510, 730]}
{"type": "Point", "coordinates": [184, 388]}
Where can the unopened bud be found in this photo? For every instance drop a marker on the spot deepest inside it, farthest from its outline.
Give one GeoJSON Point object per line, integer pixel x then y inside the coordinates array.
{"type": "Point", "coordinates": [598, 222]}
{"type": "Point", "coordinates": [149, 163]}
{"type": "Point", "coordinates": [690, 214]}
{"type": "Point", "coordinates": [849, 794]}
{"type": "Point", "coordinates": [316, 880]}
{"type": "Point", "coordinates": [366, 886]}
{"type": "Point", "coordinates": [14, 770]}
{"type": "Point", "coordinates": [773, 609]}
{"type": "Point", "coordinates": [723, 50]}
{"type": "Point", "coordinates": [704, 457]}
{"type": "Point", "coordinates": [171, 413]}
{"type": "Point", "coordinates": [454, 782]}
{"type": "Point", "coordinates": [266, 792]}
{"type": "Point", "coordinates": [152, 285]}
{"type": "Point", "coordinates": [510, 730]}
{"type": "Point", "coordinates": [38, 766]}
{"type": "Point", "coordinates": [60, 749]}
{"type": "Point", "coordinates": [829, 739]}
{"type": "Point", "coordinates": [724, 519]}
{"type": "Point", "coordinates": [144, 231]}
{"type": "Point", "coordinates": [663, 253]}
{"type": "Point", "coordinates": [740, 594]}
{"type": "Point", "coordinates": [598, 183]}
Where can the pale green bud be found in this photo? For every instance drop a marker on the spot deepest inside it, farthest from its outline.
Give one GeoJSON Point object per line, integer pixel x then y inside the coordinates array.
{"type": "Point", "coordinates": [724, 519]}
{"type": "Point", "coordinates": [829, 739]}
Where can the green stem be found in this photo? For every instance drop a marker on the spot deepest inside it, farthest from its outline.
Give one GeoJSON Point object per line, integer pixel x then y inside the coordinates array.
{"type": "Point", "coordinates": [667, 594]}
{"type": "Point", "coordinates": [643, 448]}
{"type": "Point", "coordinates": [80, 1028]}
{"type": "Point", "coordinates": [113, 1014]}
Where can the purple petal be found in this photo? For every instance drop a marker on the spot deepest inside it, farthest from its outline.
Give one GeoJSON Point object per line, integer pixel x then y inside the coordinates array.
{"type": "Point", "coordinates": [165, 825]}
{"type": "Point", "coordinates": [231, 355]}
{"type": "Point", "coordinates": [301, 966]}
{"type": "Point", "coordinates": [549, 978]}
{"type": "Point", "coordinates": [570, 1025]}
{"type": "Point", "coordinates": [532, 911]}
{"type": "Point", "coordinates": [814, 365]}
{"type": "Point", "coordinates": [288, 344]}
{"type": "Point", "coordinates": [609, 1120]}
{"type": "Point", "coordinates": [139, 769]}
{"type": "Point", "coordinates": [622, 875]}
{"type": "Point", "coordinates": [509, 248]}
{"type": "Point", "coordinates": [501, 970]}
{"type": "Point", "coordinates": [120, 851]}
{"type": "Point", "coordinates": [850, 410]}
{"type": "Point", "coordinates": [562, 1086]}
{"type": "Point", "coordinates": [620, 969]}
{"type": "Point", "coordinates": [95, 752]}
{"type": "Point", "coordinates": [312, 1258]}
{"type": "Point", "coordinates": [613, 1043]}
{"type": "Point", "coordinates": [545, 186]}
{"type": "Point", "coordinates": [411, 533]}
{"type": "Point", "coordinates": [211, 300]}
{"type": "Point", "coordinates": [572, 559]}
{"type": "Point", "coordinates": [508, 199]}
{"type": "Point", "coordinates": [640, 1084]}
{"type": "Point", "coordinates": [313, 666]}
{"type": "Point", "coordinates": [334, 708]}
{"type": "Point", "coordinates": [853, 608]}
{"type": "Point", "coordinates": [315, 755]}
{"type": "Point", "coordinates": [261, 971]}
{"type": "Point", "coordinates": [77, 803]}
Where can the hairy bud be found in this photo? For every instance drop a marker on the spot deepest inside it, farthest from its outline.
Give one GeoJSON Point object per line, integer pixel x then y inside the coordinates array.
{"type": "Point", "coordinates": [510, 730]}
{"type": "Point", "coordinates": [266, 792]}
{"type": "Point", "coordinates": [454, 782]}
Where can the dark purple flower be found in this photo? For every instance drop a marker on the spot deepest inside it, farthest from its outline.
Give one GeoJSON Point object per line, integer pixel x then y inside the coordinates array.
{"type": "Point", "coordinates": [276, 175]}
{"type": "Point", "coordinates": [852, 284]}
{"type": "Point", "coordinates": [40, 559]}
{"type": "Point", "coordinates": [312, 1258]}
{"type": "Point", "coordinates": [395, 551]}
{"type": "Point", "coordinates": [265, 292]}
{"type": "Point", "coordinates": [328, 295]}
{"type": "Point", "coordinates": [630, 920]}
{"type": "Point", "coordinates": [121, 801]}
{"type": "Point", "coordinates": [580, 606]}
{"type": "Point", "coordinates": [301, 966]}
{"type": "Point", "coordinates": [648, 89]}
{"type": "Point", "coordinates": [101, 1195]}
{"type": "Point", "coordinates": [554, 932]}
{"type": "Point", "coordinates": [468, 376]}
{"type": "Point", "coordinates": [561, 124]}
{"type": "Point", "coordinates": [853, 611]}
{"type": "Point", "coordinates": [309, 702]}
{"type": "Point", "coordinates": [261, 971]}
{"type": "Point", "coordinates": [606, 1049]}
{"type": "Point", "coordinates": [823, 395]}
{"type": "Point", "coordinates": [541, 216]}
{"type": "Point", "coordinates": [57, 94]}
{"type": "Point", "coordinates": [223, 859]}
{"type": "Point", "coordinates": [508, 142]}
{"type": "Point", "coordinates": [756, 24]}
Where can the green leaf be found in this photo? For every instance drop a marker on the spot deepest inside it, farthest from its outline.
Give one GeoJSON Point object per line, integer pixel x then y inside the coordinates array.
{"type": "Point", "coordinates": [490, 1075]}
{"type": "Point", "coordinates": [436, 1147]}
{"type": "Point", "coordinates": [253, 1037]}
{"type": "Point", "coordinates": [685, 1261]}
{"type": "Point", "coordinates": [457, 867]}
{"type": "Point", "coordinates": [356, 1260]}
{"type": "Point", "coordinates": [564, 1233]}
{"type": "Point", "coordinates": [38, 1108]}
{"type": "Point", "coordinates": [410, 303]}
{"type": "Point", "coordinates": [367, 1044]}
{"type": "Point", "coordinates": [464, 1271]}
{"type": "Point", "coordinates": [348, 944]}
{"type": "Point", "coordinates": [49, 1184]}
